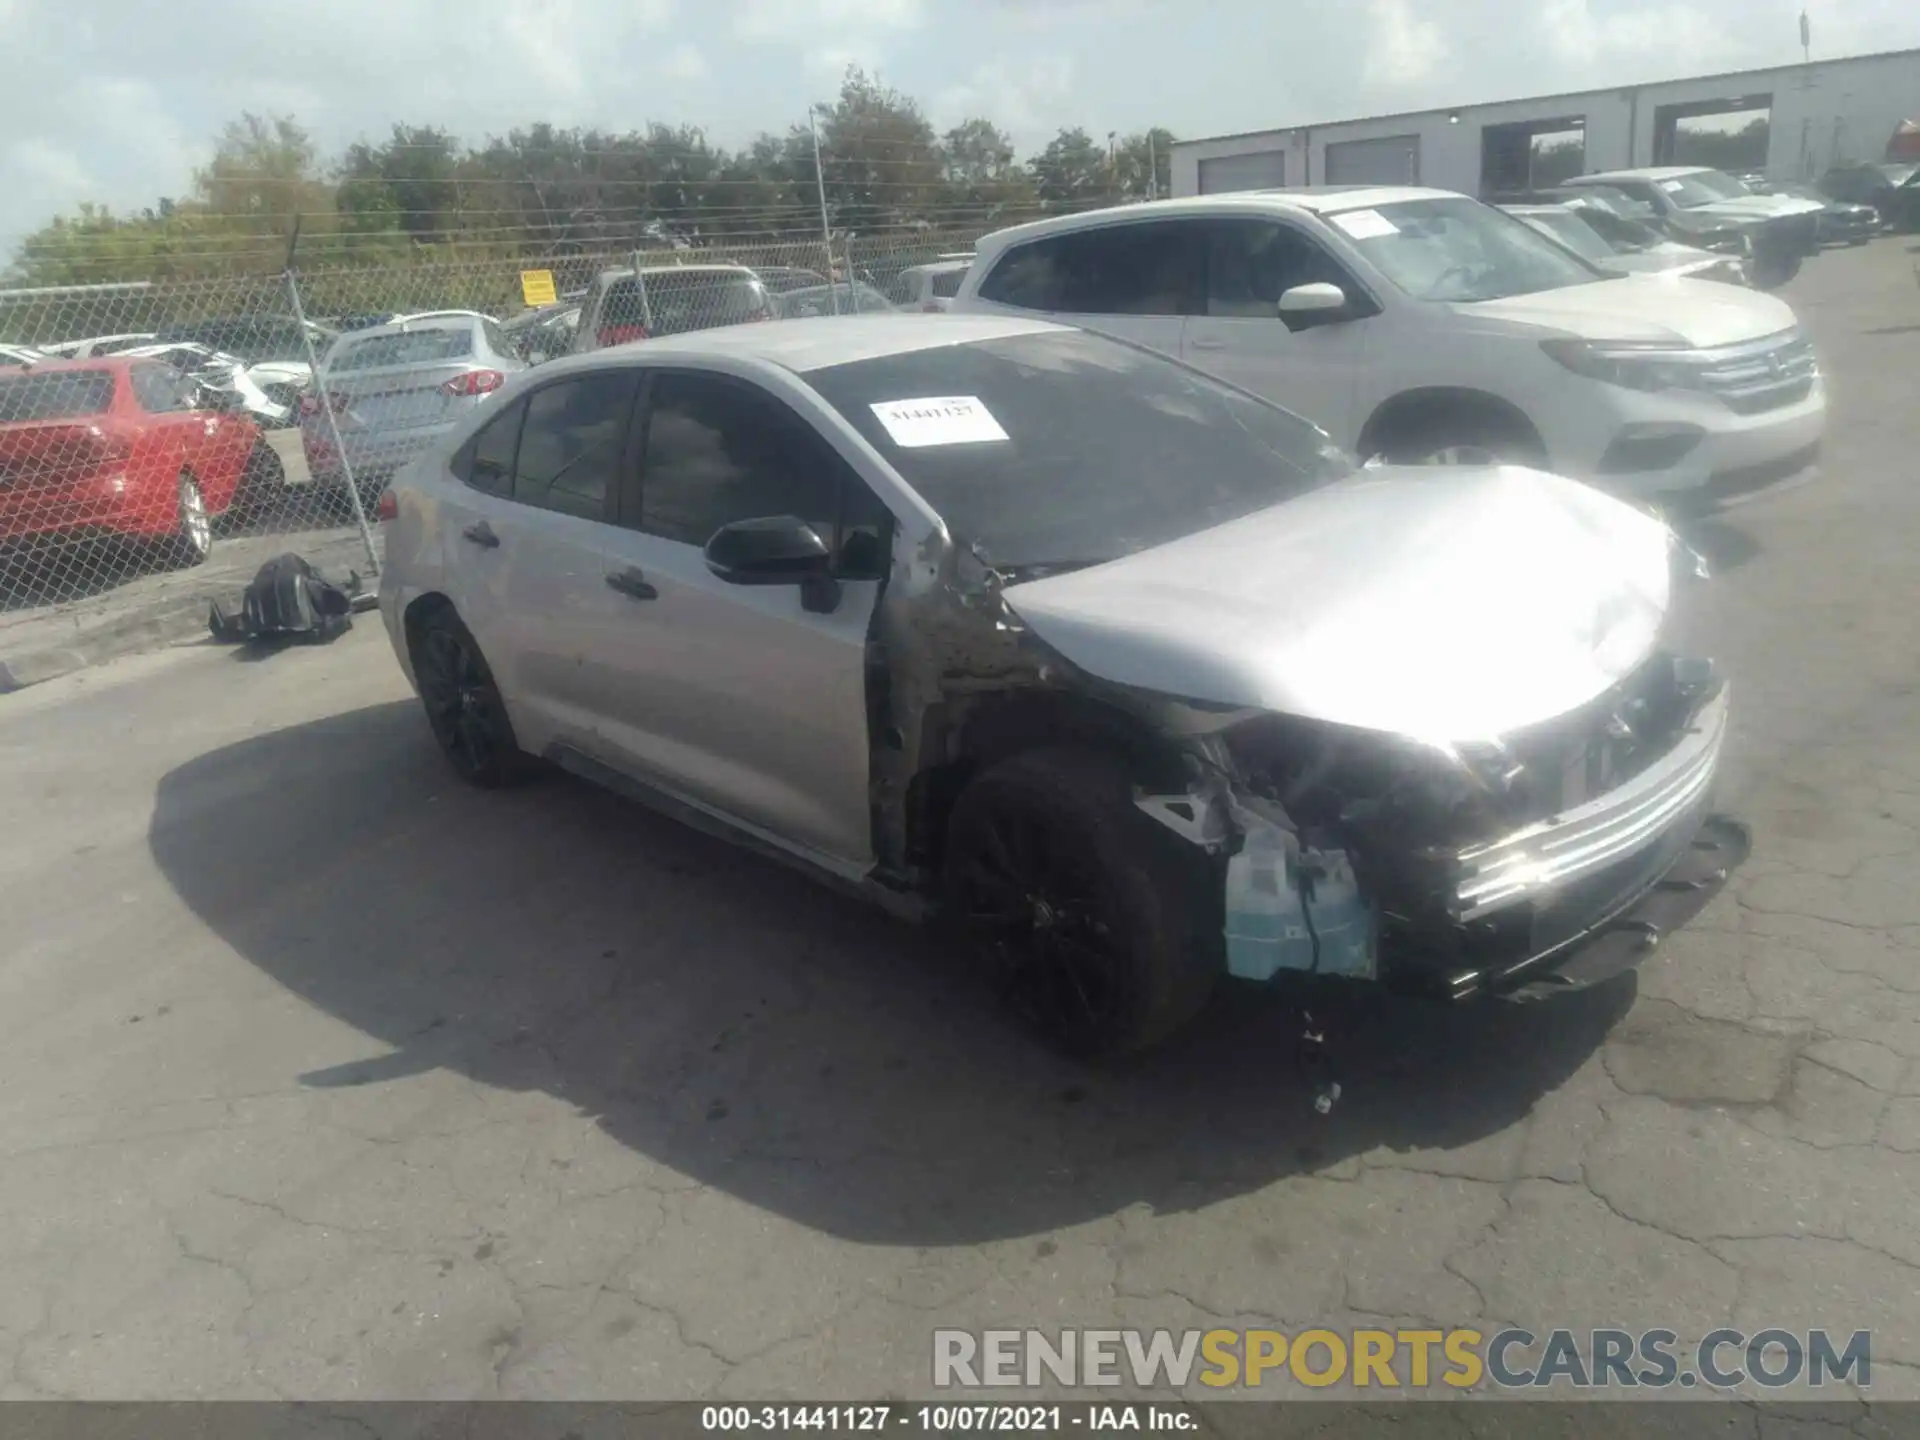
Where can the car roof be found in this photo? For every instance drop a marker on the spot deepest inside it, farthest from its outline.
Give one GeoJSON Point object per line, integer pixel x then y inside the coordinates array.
{"type": "Point", "coordinates": [111, 363]}
{"type": "Point", "coordinates": [722, 268]}
{"type": "Point", "coordinates": [1645, 172]}
{"type": "Point", "coordinates": [422, 325]}
{"type": "Point", "coordinates": [803, 346]}
{"type": "Point", "coordinates": [1315, 200]}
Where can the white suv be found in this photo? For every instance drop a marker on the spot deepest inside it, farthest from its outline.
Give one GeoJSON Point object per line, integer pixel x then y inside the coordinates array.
{"type": "Point", "coordinates": [1420, 325]}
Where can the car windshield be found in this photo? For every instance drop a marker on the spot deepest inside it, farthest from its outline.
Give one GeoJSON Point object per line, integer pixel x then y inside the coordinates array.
{"type": "Point", "coordinates": [1056, 450]}
{"type": "Point", "coordinates": [946, 283]}
{"type": "Point", "coordinates": [1614, 202]}
{"type": "Point", "coordinates": [837, 300]}
{"type": "Point", "coordinates": [782, 282]}
{"type": "Point", "coordinates": [412, 347]}
{"type": "Point", "coordinates": [1701, 187]}
{"type": "Point", "coordinates": [1458, 249]}
{"type": "Point", "coordinates": [59, 395]}
{"type": "Point", "coordinates": [676, 302]}
{"type": "Point", "coordinates": [1901, 175]}
{"type": "Point", "coordinates": [1627, 237]}
{"type": "Point", "coordinates": [255, 342]}
{"type": "Point", "coordinates": [1572, 231]}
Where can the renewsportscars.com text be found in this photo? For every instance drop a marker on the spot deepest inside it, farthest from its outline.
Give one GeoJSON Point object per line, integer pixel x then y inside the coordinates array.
{"type": "Point", "coordinates": [1399, 1359]}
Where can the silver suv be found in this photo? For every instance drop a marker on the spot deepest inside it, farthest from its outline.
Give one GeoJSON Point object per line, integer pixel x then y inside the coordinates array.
{"type": "Point", "coordinates": [1129, 673]}
{"type": "Point", "coordinates": [658, 300]}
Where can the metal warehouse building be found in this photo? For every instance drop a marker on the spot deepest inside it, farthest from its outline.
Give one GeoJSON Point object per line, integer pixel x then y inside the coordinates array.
{"type": "Point", "coordinates": [1816, 114]}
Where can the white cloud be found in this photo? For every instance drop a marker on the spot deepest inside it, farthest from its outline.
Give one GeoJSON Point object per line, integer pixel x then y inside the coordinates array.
{"type": "Point", "coordinates": [1029, 98]}
{"type": "Point", "coordinates": [50, 166]}
{"type": "Point", "coordinates": [1402, 48]}
{"type": "Point", "coordinates": [805, 19]}
{"type": "Point", "coordinates": [1575, 34]}
{"type": "Point", "coordinates": [684, 62]}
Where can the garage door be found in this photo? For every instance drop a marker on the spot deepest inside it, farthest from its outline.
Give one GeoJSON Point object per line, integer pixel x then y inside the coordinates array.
{"type": "Point", "coordinates": [1261, 170]}
{"type": "Point", "coordinates": [1394, 160]}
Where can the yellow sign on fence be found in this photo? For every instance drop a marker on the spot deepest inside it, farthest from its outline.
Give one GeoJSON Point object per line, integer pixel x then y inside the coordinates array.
{"type": "Point", "coordinates": [536, 287]}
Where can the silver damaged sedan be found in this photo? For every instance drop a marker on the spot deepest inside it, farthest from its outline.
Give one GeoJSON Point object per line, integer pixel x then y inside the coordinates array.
{"type": "Point", "coordinates": [1125, 670]}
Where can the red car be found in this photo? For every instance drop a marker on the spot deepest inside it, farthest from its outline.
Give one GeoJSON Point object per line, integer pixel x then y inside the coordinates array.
{"type": "Point", "coordinates": [120, 448]}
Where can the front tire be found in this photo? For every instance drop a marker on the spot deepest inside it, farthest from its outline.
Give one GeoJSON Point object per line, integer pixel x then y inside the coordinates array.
{"type": "Point", "coordinates": [464, 709]}
{"type": "Point", "coordinates": [1104, 927]}
{"type": "Point", "coordinates": [1434, 437]}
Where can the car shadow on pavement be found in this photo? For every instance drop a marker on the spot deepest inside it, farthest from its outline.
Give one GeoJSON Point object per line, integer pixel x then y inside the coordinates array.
{"type": "Point", "coordinates": [1722, 544]}
{"type": "Point", "coordinates": [755, 1031]}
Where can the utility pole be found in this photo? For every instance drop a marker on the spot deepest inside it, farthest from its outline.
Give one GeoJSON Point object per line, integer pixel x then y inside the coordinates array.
{"type": "Point", "coordinates": [1153, 169]}
{"type": "Point", "coordinates": [826, 226]}
{"type": "Point", "coordinates": [1806, 39]}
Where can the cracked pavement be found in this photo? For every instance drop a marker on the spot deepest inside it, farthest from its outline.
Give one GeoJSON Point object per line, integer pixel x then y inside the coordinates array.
{"type": "Point", "coordinates": [324, 1078]}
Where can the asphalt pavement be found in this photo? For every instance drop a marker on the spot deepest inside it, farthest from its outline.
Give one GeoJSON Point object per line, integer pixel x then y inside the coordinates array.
{"type": "Point", "coordinates": [322, 1076]}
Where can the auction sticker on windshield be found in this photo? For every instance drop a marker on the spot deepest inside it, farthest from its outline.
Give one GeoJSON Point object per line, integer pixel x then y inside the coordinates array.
{"type": "Point", "coordinates": [938, 420]}
{"type": "Point", "coordinates": [1365, 224]}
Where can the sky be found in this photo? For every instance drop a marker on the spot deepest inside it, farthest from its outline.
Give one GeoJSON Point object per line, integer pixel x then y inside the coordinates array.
{"type": "Point", "coordinates": [116, 101]}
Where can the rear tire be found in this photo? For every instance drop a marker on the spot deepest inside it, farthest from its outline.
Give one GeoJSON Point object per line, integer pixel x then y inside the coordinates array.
{"type": "Point", "coordinates": [464, 709]}
{"type": "Point", "coordinates": [192, 539]}
{"type": "Point", "coordinates": [262, 482]}
{"type": "Point", "coordinates": [1103, 926]}
{"type": "Point", "coordinates": [1772, 271]}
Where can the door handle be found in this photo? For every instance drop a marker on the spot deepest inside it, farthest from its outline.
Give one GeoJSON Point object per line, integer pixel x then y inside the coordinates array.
{"type": "Point", "coordinates": [1204, 344]}
{"type": "Point", "coordinates": [481, 534]}
{"type": "Point", "coordinates": [632, 584]}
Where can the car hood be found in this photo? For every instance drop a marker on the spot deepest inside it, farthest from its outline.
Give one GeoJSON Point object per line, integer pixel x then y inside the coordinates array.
{"type": "Point", "coordinates": [1753, 207]}
{"type": "Point", "coordinates": [1667, 255]}
{"type": "Point", "coordinates": [1448, 604]}
{"type": "Point", "coordinates": [1630, 310]}
{"type": "Point", "coordinates": [294, 372]}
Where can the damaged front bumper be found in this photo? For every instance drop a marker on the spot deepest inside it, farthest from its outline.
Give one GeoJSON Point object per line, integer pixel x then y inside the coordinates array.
{"type": "Point", "coordinates": [1555, 905]}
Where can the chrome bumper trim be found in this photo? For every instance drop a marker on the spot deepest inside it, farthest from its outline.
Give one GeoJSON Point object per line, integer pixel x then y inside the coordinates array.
{"type": "Point", "coordinates": [1571, 846]}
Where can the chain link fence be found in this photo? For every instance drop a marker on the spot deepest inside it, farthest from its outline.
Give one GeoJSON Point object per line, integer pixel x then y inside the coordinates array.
{"type": "Point", "coordinates": [172, 435]}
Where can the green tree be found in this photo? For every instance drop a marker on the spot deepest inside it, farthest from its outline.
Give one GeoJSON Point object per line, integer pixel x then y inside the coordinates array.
{"type": "Point", "coordinates": [409, 185]}
{"type": "Point", "coordinates": [1072, 171]}
{"type": "Point", "coordinates": [879, 156]}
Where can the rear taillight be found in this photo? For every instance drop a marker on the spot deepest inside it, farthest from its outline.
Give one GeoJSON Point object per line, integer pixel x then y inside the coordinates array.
{"type": "Point", "coordinates": [621, 334]}
{"type": "Point", "coordinates": [388, 508]}
{"type": "Point", "coordinates": [475, 382]}
{"type": "Point", "coordinates": [932, 307]}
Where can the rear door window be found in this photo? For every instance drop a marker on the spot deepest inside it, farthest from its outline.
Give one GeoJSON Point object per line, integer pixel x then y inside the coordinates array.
{"type": "Point", "coordinates": [571, 443]}
{"type": "Point", "coordinates": [55, 396]}
{"type": "Point", "coordinates": [486, 461]}
{"type": "Point", "coordinates": [1152, 268]}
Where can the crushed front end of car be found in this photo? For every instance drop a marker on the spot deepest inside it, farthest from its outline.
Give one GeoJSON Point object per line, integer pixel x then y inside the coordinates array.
{"type": "Point", "coordinates": [1548, 860]}
{"type": "Point", "coordinates": [1437, 730]}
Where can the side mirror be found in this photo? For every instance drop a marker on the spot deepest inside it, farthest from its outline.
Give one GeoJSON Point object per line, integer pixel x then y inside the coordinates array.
{"type": "Point", "coordinates": [1312, 304]}
{"type": "Point", "coordinates": [771, 550]}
